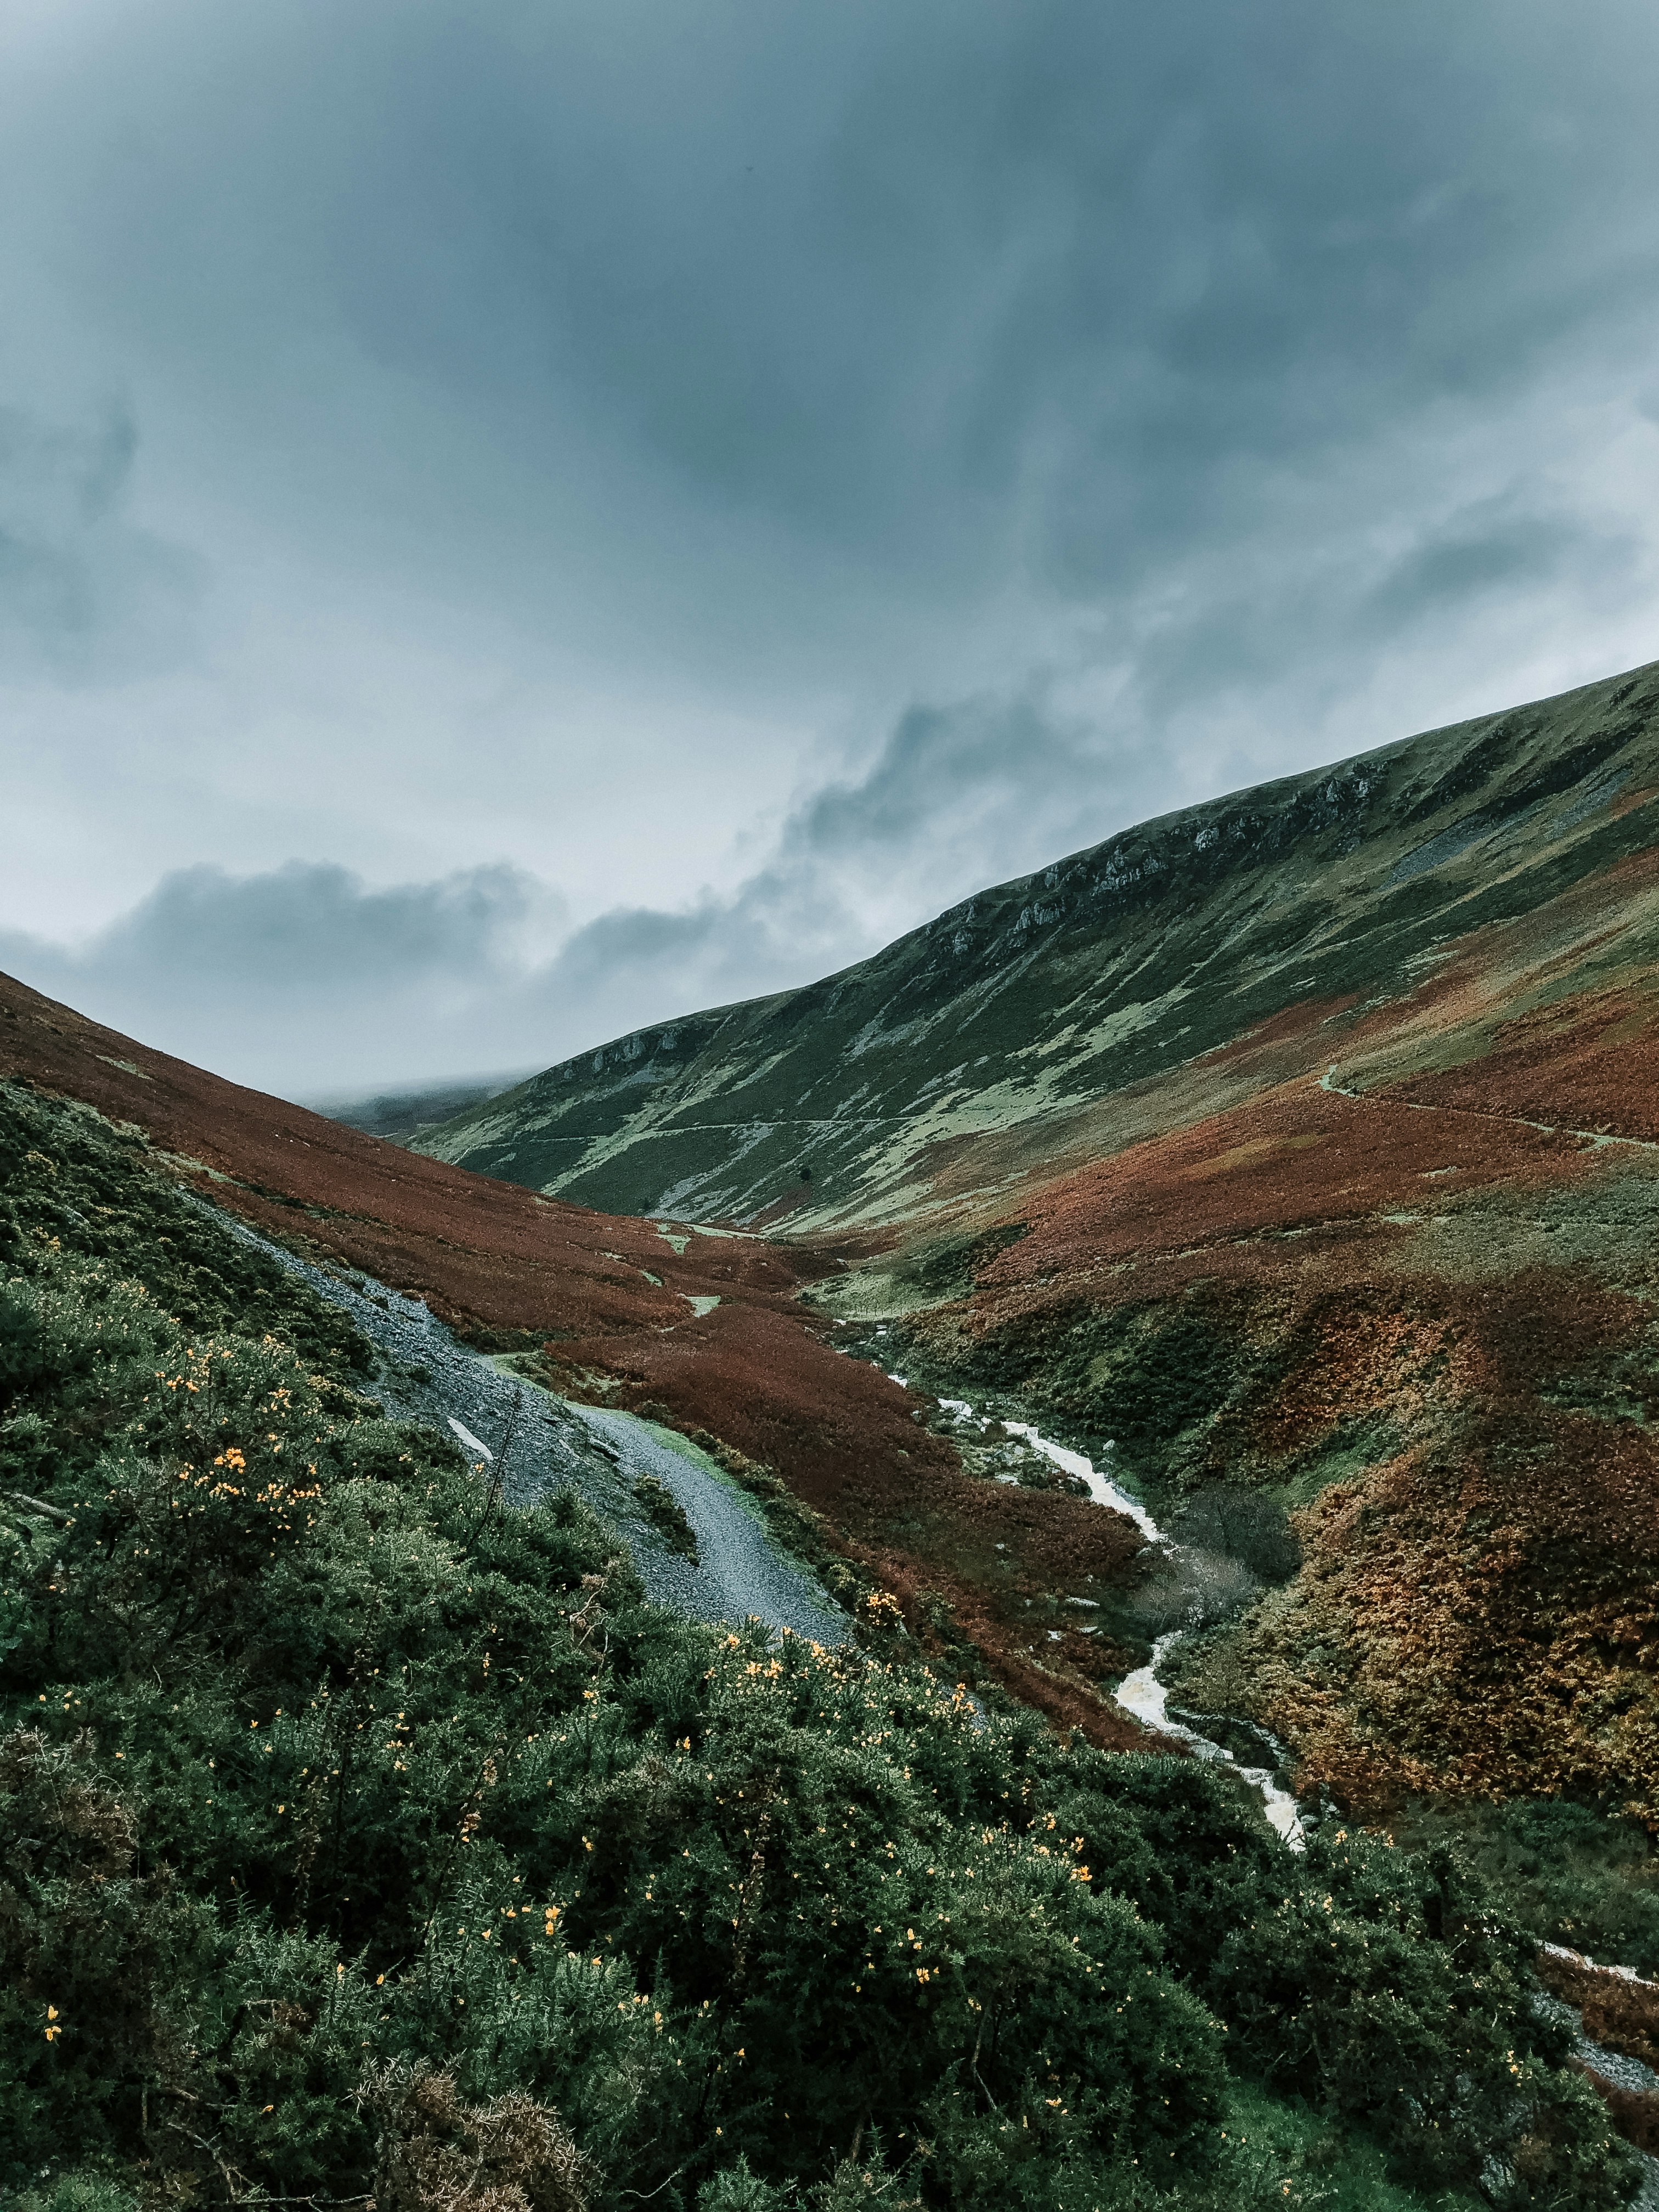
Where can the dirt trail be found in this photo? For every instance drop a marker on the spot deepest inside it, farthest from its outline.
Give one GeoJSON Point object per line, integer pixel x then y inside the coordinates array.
{"type": "Point", "coordinates": [1327, 1084]}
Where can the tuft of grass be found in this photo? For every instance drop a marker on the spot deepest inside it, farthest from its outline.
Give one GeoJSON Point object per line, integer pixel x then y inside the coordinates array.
{"type": "Point", "coordinates": [666, 1514]}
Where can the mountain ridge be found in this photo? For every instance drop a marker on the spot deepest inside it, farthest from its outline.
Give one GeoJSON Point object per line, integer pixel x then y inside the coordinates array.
{"type": "Point", "coordinates": [1048, 980]}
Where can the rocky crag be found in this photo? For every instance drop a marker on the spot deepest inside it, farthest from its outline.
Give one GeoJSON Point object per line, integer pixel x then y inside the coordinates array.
{"type": "Point", "coordinates": [1067, 1012]}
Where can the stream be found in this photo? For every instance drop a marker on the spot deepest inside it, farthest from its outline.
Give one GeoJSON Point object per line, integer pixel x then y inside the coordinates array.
{"type": "Point", "coordinates": [1141, 1694]}
{"type": "Point", "coordinates": [530, 1442]}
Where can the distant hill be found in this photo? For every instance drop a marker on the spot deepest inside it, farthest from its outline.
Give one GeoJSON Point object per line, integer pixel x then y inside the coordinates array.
{"type": "Point", "coordinates": [397, 1116]}
{"type": "Point", "coordinates": [1063, 1013]}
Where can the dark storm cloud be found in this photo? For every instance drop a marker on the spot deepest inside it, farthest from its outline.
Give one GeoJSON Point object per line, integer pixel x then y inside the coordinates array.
{"type": "Point", "coordinates": [1040, 414]}
{"type": "Point", "coordinates": [880, 273]}
{"type": "Point", "coordinates": [310, 928]}
{"type": "Point", "coordinates": [985, 751]}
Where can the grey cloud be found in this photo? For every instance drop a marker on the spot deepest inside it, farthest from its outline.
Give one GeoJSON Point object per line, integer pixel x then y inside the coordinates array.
{"type": "Point", "coordinates": [1496, 544]}
{"type": "Point", "coordinates": [85, 595]}
{"type": "Point", "coordinates": [641, 964]}
{"type": "Point", "coordinates": [305, 976]}
{"type": "Point", "coordinates": [981, 751]}
{"type": "Point", "coordinates": [1037, 415]}
{"type": "Point", "coordinates": [307, 927]}
{"type": "Point", "coordinates": [1431, 588]}
{"type": "Point", "coordinates": [305, 979]}
{"type": "Point", "coordinates": [965, 793]}
{"type": "Point", "coordinates": [877, 273]}
{"type": "Point", "coordinates": [907, 836]}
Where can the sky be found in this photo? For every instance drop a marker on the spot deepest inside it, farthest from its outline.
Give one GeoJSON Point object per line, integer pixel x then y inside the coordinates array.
{"type": "Point", "coordinates": [520, 520]}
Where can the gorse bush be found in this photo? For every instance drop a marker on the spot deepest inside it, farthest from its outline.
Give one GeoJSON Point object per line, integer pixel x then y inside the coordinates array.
{"type": "Point", "coordinates": [1582, 1876]}
{"type": "Point", "coordinates": [362, 1839]}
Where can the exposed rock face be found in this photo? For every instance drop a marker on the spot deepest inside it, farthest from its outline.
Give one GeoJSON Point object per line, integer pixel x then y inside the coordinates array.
{"type": "Point", "coordinates": [859, 1099]}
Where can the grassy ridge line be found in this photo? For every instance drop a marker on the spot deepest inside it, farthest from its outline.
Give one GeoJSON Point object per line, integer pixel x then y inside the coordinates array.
{"type": "Point", "coordinates": [361, 1837]}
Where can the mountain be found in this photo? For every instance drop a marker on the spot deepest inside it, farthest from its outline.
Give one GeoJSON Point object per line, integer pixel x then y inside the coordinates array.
{"type": "Point", "coordinates": [400, 1115]}
{"type": "Point", "coordinates": [467, 1877]}
{"type": "Point", "coordinates": [1301, 1148]}
{"type": "Point", "coordinates": [1130, 986]}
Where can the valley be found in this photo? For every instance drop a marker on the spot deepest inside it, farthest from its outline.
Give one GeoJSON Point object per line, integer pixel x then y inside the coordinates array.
{"type": "Point", "coordinates": [1202, 1296]}
{"type": "Point", "coordinates": [693, 1328]}
{"type": "Point", "coordinates": [1300, 1144]}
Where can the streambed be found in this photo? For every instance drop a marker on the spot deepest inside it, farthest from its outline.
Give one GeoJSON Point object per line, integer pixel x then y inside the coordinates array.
{"type": "Point", "coordinates": [530, 1442]}
{"type": "Point", "coordinates": [1142, 1694]}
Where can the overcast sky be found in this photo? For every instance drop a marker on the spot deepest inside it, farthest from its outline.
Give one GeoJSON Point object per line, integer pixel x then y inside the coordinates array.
{"type": "Point", "coordinates": [520, 520]}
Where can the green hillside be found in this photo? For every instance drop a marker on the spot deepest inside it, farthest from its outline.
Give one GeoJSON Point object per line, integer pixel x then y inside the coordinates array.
{"type": "Point", "coordinates": [364, 1840]}
{"type": "Point", "coordinates": [1023, 1007]}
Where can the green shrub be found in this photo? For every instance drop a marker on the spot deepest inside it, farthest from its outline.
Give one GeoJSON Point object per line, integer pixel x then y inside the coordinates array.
{"type": "Point", "coordinates": [666, 1514]}
{"type": "Point", "coordinates": [1585, 1878]}
{"type": "Point", "coordinates": [80, 2191]}
{"type": "Point", "coordinates": [735, 2188]}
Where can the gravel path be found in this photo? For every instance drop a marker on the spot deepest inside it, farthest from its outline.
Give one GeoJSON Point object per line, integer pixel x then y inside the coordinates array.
{"type": "Point", "coordinates": [532, 1442]}
{"type": "Point", "coordinates": [740, 1570]}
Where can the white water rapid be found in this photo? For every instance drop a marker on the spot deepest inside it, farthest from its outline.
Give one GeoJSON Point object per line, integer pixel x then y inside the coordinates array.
{"type": "Point", "coordinates": [1142, 1694]}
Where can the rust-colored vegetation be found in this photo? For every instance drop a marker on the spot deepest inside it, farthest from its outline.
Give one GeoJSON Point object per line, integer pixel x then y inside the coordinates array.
{"type": "Point", "coordinates": [1428, 1327]}
{"type": "Point", "coordinates": [503, 1264]}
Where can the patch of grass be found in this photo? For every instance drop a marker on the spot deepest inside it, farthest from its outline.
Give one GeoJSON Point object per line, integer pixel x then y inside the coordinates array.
{"type": "Point", "coordinates": [1345, 1456]}
{"type": "Point", "coordinates": [1582, 1876]}
{"type": "Point", "coordinates": [1288, 2154]}
{"type": "Point", "coordinates": [946, 1268]}
{"type": "Point", "coordinates": [666, 1515]}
